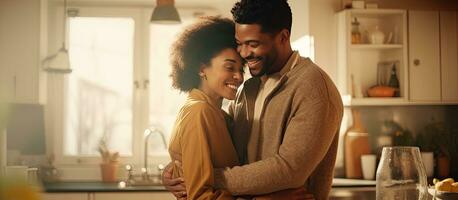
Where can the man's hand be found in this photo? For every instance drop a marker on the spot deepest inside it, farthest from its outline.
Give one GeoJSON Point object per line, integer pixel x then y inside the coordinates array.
{"type": "Point", "coordinates": [289, 194]}
{"type": "Point", "coordinates": [175, 186]}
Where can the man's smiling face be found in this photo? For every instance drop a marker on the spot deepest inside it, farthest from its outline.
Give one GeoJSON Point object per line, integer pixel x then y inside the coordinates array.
{"type": "Point", "coordinates": [259, 49]}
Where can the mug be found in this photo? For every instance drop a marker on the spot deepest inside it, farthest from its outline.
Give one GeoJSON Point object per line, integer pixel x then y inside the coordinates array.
{"type": "Point", "coordinates": [368, 166]}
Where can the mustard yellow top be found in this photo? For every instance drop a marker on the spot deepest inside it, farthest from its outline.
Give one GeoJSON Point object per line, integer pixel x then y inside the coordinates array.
{"type": "Point", "coordinates": [201, 141]}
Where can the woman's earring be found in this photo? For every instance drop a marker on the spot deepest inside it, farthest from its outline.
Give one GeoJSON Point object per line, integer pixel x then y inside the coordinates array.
{"type": "Point", "coordinates": [203, 76]}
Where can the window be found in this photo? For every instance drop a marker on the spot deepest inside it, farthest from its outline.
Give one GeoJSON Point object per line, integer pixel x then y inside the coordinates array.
{"type": "Point", "coordinates": [100, 87]}
{"type": "Point", "coordinates": [99, 99]}
{"type": "Point", "coordinates": [119, 86]}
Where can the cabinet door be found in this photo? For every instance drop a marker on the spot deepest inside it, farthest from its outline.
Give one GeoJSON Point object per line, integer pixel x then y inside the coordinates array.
{"type": "Point", "coordinates": [7, 73]}
{"type": "Point", "coordinates": [134, 195]}
{"type": "Point", "coordinates": [449, 56]}
{"type": "Point", "coordinates": [65, 196]}
{"type": "Point", "coordinates": [424, 56]}
{"type": "Point", "coordinates": [20, 48]}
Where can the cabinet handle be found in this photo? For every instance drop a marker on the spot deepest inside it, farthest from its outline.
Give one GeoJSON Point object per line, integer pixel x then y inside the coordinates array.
{"type": "Point", "coordinates": [145, 84]}
{"type": "Point", "coordinates": [136, 84]}
{"type": "Point", "coordinates": [416, 62]}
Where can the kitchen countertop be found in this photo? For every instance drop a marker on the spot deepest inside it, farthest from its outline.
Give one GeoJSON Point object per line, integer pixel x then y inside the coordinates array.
{"type": "Point", "coordinates": [70, 186]}
{"type": "Point", "coordinates": [58, 187]}
{"type": "Point", "coordinates": [343, 182]}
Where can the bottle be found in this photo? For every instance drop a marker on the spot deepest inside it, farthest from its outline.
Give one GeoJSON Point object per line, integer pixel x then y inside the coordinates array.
{"type": "Point", "coordinates": [401, 174]}
{"type": "Point", "coordinates": [355, 34]}
{"type": "Point", "coordinates": [356, 141]}
{"type": "Point", "coordinates": [394, 82]}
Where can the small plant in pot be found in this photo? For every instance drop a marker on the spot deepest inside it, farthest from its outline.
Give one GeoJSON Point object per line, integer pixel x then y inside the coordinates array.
{"type": "Point", "coordinates": [448, 145]}
{"type": "Point", "coordinates": [109, 165]}
{"type": "Point", "coordinates": [443, 140]}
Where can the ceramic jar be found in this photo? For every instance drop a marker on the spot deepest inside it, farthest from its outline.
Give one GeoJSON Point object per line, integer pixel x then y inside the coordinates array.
{"type": "Point", "coordinates": [377, 36]}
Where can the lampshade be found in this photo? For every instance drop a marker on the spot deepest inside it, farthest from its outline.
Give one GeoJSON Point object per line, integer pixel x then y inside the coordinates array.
{"type": "Point", "coordinates": [59, 62]}
{"type": "Point", "coordinates": [165, 13]}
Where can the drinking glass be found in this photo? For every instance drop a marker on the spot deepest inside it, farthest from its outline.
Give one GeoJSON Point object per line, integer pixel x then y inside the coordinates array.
{"type": "Point", "coordinates": [401, 175]}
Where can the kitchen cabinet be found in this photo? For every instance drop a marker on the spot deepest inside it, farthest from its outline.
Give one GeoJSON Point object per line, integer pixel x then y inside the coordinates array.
{"type": "Point", "coordinates": [424, 56]}
{"type": "Point", "coordinates": [109, 196]}
{"type": "Point", "coordinates": [66, 196]}
{"type": "Point", "coordinates": [433, 56]}
{"type": "Point", "coordinates": [368, 61]}
{"type": "Point", "coordinates": [133, 195]}
{"type": "Point", "coordinates": [23, 45]}
{"type": "Point", "coordinates": [449, 55]}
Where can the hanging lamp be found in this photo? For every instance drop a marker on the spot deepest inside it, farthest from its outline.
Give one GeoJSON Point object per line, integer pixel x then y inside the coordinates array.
{"type": "Point", "coordinates": [165, 12]}
{"type": "Point", "coordinates": [60, 61]}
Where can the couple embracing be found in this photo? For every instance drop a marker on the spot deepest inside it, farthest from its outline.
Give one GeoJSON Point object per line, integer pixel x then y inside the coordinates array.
{"type": "Point", "coordinates": [278, 139]}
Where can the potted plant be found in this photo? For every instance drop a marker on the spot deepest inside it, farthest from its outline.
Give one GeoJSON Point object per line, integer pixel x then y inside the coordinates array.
{"type": "Point", "coordinates": [447, 143]}
{"type": "Point", "coordinates": [109, 165]}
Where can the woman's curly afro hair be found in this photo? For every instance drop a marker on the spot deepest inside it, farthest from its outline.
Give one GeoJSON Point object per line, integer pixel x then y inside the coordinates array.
{"type": "Point", "coordinates": [196, 46]}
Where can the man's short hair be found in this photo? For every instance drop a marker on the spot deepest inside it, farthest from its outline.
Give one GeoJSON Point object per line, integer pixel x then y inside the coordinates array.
{"type": "Point", "coordinates": [272, 15]}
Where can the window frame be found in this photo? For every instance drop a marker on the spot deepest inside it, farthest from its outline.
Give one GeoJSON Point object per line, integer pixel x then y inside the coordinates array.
{"type": "Point", "coordinates": [139, 95]}
{"type": "Point", "coordinates": [86, 167]}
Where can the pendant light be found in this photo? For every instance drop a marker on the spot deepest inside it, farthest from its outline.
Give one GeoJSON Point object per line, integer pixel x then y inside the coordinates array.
{"type": "Point", "coordinates": [165, 12]}
{"type": "Point", "coordinates": [60, 62]}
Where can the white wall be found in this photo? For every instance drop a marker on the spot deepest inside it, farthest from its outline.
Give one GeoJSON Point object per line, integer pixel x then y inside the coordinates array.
{"type": "Point", "coordinates": [323, 29]}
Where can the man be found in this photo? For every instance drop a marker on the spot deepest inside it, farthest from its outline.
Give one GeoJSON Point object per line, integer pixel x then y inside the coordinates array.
{"type": "Point", "coordinates": [287, 117]}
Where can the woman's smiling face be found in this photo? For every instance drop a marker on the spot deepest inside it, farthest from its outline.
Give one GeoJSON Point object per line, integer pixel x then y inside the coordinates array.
{"type": "Point", "coordinates": [223, 75]}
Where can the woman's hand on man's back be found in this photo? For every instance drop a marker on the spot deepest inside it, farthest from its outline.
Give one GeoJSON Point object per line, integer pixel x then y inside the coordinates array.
{"type": "Point", "coordinates": [174, 185]}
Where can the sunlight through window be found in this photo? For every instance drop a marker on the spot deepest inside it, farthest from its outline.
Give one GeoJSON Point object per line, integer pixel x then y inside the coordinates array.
{"type": "Point", "coordinates": [99, 96]}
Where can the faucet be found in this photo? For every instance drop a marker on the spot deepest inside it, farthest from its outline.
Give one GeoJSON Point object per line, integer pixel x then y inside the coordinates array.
{"type": "Point", "coordinates": [144, 178]}
{"type": "Point", "coordinates": [148, 132]}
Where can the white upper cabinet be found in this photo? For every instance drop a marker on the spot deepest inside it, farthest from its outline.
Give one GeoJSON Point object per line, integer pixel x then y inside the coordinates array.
{"type": "Point", "coordinates": [449, 56]}
{"type": "Point", "coordinates": [22, 39]}
{"type": "Point", "coordinates": [433, 57]}
{"type": "Point", "coordinates": [370, 43]}
{"type": "Point", "coordinates": [424, 56]}
{"type": "Point", "coordinates": [423, 45]}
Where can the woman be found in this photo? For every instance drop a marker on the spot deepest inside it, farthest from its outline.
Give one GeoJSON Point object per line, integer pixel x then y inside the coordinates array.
{"type": "Point", "coordinates": [207, 66]}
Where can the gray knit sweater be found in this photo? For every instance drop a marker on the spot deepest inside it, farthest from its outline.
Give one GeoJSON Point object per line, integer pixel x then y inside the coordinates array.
{"type": "Point", "coordinates": [300, 123]}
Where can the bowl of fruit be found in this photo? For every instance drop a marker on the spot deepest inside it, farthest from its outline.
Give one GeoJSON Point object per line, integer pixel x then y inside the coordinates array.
{"type": "Point", "coordinates": [446, 189]}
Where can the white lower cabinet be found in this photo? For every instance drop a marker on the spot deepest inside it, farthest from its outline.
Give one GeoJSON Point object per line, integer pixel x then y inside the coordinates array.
{"type": "Point", "coordinates": [109, 196]}
{"type": "Point", "coordinates": [133, 195]}
{"type": "Point", "coordinates": [65, 196]}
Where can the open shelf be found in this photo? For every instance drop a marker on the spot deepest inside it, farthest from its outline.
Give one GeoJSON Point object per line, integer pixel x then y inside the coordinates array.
{"type": "Point", "coordinates": [363, 65]}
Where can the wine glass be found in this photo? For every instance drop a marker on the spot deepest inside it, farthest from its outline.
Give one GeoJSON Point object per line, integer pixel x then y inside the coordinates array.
{"type": "Point", "coordinates": [401, 175]}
